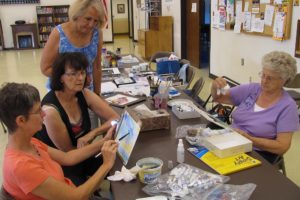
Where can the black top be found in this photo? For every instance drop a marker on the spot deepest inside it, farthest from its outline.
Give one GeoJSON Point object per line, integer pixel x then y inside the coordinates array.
{"type": "Point", "coordinates": [51, 100]}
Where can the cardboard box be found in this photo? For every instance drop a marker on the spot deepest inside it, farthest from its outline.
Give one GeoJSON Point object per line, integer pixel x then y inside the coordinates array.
{"type": "Point", "coordinates": [228, 144]}
{"type": "Point", "coordinates": [151, 120]}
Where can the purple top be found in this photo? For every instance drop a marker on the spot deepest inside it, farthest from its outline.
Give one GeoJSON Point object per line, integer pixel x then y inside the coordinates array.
{"type": "Point", "coordinates": [280, 117]}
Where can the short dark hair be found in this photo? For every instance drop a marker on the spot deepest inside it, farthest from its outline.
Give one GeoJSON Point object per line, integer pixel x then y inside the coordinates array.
{"type": "Point", "coordinates": [74, 60]}
{"type": "Point", "coordinates": [16, 99]}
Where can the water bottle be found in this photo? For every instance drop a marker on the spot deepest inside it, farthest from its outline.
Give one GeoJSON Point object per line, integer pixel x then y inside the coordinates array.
{"type": "Point", "coordinates": [180, 152]}
{"type": "Point", "coordinates": [103, 56]}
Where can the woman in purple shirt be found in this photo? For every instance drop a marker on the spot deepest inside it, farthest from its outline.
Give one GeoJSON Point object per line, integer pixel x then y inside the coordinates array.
{"type": "Point", "coordinates": [266, 114]}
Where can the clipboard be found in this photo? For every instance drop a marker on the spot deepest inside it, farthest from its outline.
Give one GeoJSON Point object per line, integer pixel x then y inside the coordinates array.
{"type": "Point", "coordinates": [122, 100]}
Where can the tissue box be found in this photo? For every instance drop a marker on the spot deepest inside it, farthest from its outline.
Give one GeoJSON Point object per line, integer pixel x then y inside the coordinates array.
{"type": "Point", "coordinates": [228, 144]}
{"type": "Point", "coordinates": [152, 120]}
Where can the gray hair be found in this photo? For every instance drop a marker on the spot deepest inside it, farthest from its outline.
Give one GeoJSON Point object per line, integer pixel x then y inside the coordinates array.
{"type": "Point", "coordinates": [282, 63]}
{"type": "Point", "coordinates": [16, 99]}
{"type": "Point", "coordinates": [79, 7]}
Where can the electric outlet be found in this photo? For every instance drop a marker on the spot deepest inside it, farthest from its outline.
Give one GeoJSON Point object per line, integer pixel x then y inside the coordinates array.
{"type": "Point", "coordinates": [242, 61]}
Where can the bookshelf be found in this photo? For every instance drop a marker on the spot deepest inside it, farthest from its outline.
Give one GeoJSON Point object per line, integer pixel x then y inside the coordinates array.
{"type": "Point", "coordinates": [48, 17]}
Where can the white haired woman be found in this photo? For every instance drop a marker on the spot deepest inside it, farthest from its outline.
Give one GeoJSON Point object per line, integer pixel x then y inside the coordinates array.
{"type": "Point", "coordinates": [81, 34]}
{"type": "Point", "coordinates": [266, 114]}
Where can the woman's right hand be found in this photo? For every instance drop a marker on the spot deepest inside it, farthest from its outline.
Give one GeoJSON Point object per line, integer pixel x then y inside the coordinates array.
{"type": "Point", "coordinates": [219, 83]}
{"type": "Point", "coordinates": [109, 150]}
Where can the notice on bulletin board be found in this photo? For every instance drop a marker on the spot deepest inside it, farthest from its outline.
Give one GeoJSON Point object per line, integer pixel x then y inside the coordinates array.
{"type": "Point", "coordinates": [194, 8]}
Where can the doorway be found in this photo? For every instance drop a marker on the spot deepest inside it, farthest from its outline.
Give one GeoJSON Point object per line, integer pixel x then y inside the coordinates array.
{"type": "Point", "coordinates": [195, 32]}
{"type": "Point", "coordinates": [120, 17]}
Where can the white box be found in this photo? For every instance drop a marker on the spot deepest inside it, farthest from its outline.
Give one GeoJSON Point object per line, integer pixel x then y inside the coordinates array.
{"type": "Point", "coordinates": [229, 144]}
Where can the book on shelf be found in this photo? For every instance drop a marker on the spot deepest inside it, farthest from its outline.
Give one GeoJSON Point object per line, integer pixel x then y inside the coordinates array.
{"type": "Point", "coordinates": [225, 165]}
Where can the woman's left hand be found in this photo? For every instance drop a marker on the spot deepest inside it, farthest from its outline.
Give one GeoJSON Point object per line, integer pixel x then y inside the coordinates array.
{"type": "Point", "coordinates": [84, 140]}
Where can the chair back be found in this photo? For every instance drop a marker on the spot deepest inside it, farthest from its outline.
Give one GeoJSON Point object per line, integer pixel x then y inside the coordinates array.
{"type": "Point", "coordinates": [197, 87]}
{"type": "Point", "coordinates": [294, 83]}
{"type": "Point", "coordinates": [279, 164]}
{"type": "Point", "coordinates": [4, 195]}
{"type": "Point", "coordinates": [190, 75]}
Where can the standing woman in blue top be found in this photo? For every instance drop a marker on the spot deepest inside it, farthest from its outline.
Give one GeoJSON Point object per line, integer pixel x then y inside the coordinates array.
{"type": "Point", "coordinates": [81, 34]}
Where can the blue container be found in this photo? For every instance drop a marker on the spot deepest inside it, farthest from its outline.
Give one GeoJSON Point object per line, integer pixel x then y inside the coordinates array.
{"type": "Point", "coordinates": [168, 67]}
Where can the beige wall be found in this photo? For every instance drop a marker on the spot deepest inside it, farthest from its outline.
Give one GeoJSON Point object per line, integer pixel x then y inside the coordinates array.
{"type": "Point", "coordinates": [10, 13]}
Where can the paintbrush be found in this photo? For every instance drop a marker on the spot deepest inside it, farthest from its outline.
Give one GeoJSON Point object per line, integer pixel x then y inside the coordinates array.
{"type": "Point", "coordinates": [118, 141]}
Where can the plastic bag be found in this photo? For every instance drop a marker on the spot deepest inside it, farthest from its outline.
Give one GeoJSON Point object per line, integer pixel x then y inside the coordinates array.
{"type": "Point", "coordinates": [182, 131]}
{"type": "Point", "coordinates": [186, 182]}
{"type": "Point", "coordinates": [230, 192]}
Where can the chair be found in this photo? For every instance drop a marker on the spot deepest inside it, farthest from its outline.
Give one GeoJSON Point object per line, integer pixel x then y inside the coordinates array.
{"type": "Point", "coordinates": [294, 84]}
{"type": "Point", "coordinates": [189, 74]}
{"type": "Point", "coordinates": [231, 83]}
{"type": "Point", "coordinates": [279, 164]}
{"type": "Point", "coordinates": [196, 89]}
{"type": "Point", "coordinates": [4, 195]}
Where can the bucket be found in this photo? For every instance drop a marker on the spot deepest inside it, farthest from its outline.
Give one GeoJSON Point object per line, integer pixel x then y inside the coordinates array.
{"type": "Point", "coordinates": [150, 169]}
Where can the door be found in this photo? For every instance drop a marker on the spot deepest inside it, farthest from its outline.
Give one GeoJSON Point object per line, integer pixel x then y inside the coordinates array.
{"type": "Point", "coordinates": [193, 23]}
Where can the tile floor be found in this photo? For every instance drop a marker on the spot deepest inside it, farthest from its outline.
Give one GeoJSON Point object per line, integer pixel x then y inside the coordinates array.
{"type": "Point", "coordinates": [23, 66]}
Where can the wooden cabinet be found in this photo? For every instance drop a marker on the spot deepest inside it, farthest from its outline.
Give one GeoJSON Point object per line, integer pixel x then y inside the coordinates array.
{"type": "Point", "coordinates": [159, 37]}
{"type": "Point", "coordinates": [48, 17]}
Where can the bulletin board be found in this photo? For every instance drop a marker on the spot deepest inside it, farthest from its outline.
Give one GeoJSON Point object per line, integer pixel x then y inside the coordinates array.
{"type": "Point", "coordinates": [286, 7]}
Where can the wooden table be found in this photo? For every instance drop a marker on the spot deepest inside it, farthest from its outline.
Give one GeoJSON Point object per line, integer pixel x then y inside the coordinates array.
{"type": "Point", "coordinates": [271, 184]}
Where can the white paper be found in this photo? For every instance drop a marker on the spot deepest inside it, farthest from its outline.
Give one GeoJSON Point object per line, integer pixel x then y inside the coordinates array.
{"type": "Point", "coordinates": [264, 1]}
{"type": "Point", "coordinates": [247, 21]}
{"type": "Point", "coordinates": [239, 12]}
{"type": "Point", "coordinates": [214, 5]}
{"type": "Point", "coordinates": [215, 19]}
{"type": "Point", "coordinates": [269, 12]}
{"type": "Point", "coordinates": [108, 87]}
{"type": "Point", "coordinates": [257, 25]}
{"type": "Point", "coordinates": [237, 28]}
{"type": "Point", "coordinates": [222, 18]}
{"type": "Point", "coordinates": [222, 3]}
{"type": "Point", "coordinates": [168, 2]}
{"type": "Point", "coordinates": [194, 7]}
{"type": "Point", "coordinates": [278, 27]}
{"type": "Point", "coordinates": [277, 1]}
{"type": "Point", "coordinates": [246, 8]}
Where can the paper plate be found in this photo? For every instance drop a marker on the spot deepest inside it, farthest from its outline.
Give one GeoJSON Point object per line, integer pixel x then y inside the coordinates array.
{"type": "Point", "coordinates": [180, 102]}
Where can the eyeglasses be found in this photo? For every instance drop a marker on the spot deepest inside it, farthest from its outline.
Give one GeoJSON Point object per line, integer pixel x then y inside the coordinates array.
{"type": "Point", "coordinates": [76, 74]}
{"type": "Point", "coordinates": [267, 77]}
